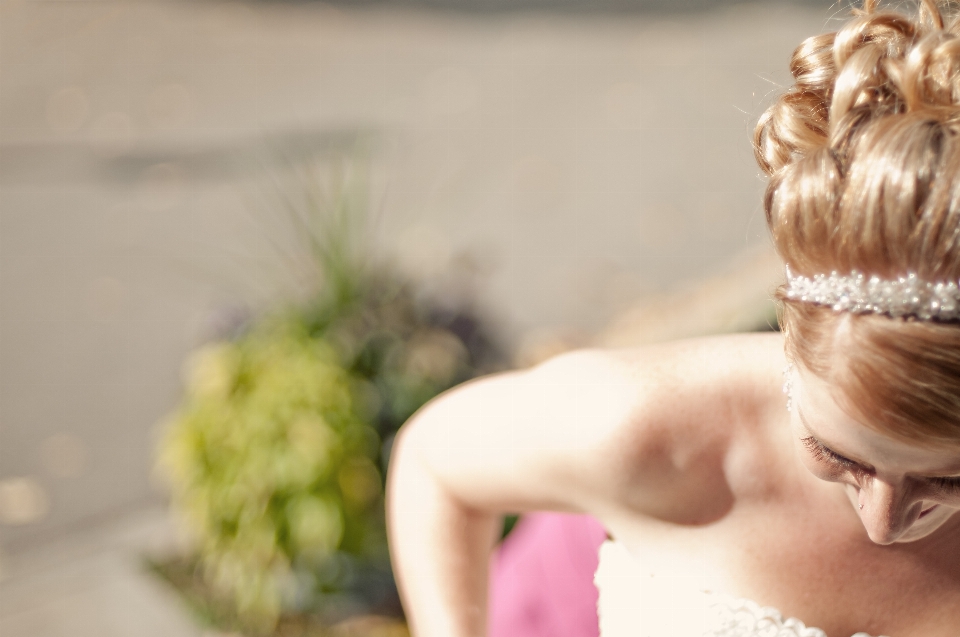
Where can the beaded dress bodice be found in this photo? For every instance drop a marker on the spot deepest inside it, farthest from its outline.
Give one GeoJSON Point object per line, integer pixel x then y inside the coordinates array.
{"type": "Point", "coordinates": [677, 606]}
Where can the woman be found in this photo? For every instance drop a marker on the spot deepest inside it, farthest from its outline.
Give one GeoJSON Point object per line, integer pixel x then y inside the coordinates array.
{"type": "Point", "coordinates": [839, 511]}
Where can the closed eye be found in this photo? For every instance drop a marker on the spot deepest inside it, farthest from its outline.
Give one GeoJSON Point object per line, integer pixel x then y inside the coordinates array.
{"type": "Point", "coordinates": [822, 453]}
{"type": "Point", "coordinates": [947, 484]}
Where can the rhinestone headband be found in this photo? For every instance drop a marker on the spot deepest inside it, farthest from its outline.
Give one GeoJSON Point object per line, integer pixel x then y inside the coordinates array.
{"type": "Point", "coordinates": [907, 296]}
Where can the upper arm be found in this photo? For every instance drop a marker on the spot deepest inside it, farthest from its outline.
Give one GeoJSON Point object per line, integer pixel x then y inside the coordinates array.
{"type": "Point", "coordinates": [588, 431]}
{"type": "Point", "coordinates": [528, 439]}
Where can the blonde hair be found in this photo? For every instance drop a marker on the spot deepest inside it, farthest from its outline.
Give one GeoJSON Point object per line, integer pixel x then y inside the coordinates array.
{"type": "Point", "coordinates": [863, 156]}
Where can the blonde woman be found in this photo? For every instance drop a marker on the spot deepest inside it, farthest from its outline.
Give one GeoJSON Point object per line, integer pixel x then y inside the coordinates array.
{"type": "Point", "coordinates": [733, 509]}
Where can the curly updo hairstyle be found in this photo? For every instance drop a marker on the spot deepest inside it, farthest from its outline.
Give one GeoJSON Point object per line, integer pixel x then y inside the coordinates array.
{"type": "Point", "coordinates": [863, 159]}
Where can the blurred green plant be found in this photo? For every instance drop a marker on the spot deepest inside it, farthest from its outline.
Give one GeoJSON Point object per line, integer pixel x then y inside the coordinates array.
{"type": "Point", "coordinates": [277, 455]}
{"type": "Point", "coordinates": [271, 466]}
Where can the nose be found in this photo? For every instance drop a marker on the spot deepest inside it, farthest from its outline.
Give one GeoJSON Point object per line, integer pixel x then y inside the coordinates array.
{"type": "Point", "coordinates": [887, 509]}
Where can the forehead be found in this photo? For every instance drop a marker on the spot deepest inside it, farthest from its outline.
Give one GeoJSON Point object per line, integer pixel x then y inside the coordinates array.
{"type": "Point", "coordinates": [821, 416]}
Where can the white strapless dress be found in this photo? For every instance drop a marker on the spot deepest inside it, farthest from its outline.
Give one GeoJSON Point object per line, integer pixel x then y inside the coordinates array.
{"type": "Point", "coordinates": [678, 606]}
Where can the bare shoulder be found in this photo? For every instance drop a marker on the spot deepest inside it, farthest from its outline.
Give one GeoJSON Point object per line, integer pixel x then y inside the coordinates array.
{"type": "Point", "coordinates": [702, 408]}
{"type": "Point", "coordinates": [644, 429]}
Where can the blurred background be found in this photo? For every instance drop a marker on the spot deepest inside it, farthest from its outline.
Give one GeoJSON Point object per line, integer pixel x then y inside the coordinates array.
{"type": "Point", "coordinates": [525, 176]}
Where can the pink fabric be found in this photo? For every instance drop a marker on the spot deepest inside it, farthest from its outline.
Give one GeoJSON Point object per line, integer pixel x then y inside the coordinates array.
{"type": "Point", "coordinates": [541, 581]}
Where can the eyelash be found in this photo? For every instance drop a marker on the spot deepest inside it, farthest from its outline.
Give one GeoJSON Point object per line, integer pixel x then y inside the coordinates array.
{"type": "Point", "coordinates": [821, 453]}
{"type": "Point", "coordinates": [947, 484]}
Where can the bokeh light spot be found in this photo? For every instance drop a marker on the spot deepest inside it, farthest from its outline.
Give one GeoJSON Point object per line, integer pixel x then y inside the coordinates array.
{"type": "Point", "coordinates": [22, 501]}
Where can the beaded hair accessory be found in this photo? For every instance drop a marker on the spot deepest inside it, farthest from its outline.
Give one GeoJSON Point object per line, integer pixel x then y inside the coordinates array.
{"type": "Point", "coordinates": [907, 296]}
{"type": "Point", "coordinates": [788, 385]}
